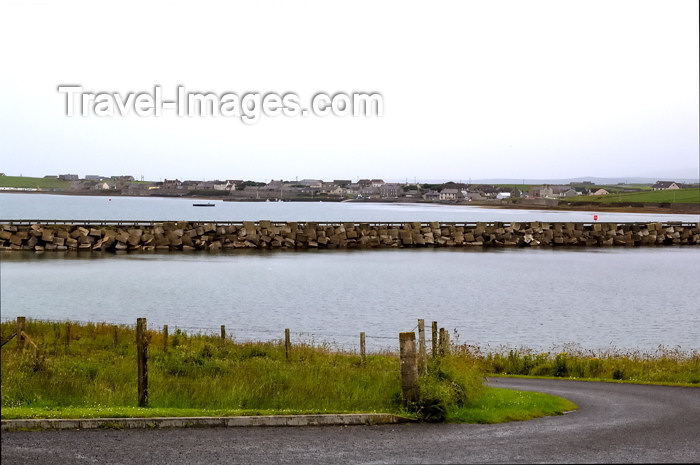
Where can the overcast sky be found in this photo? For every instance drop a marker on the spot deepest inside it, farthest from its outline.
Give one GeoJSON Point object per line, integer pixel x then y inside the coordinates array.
{"type": "Point", "coordinates": [487, 89]}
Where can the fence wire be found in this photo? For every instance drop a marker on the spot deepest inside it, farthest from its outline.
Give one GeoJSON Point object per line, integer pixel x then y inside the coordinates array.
{"type": "Point", "coordinates": [77, 363]}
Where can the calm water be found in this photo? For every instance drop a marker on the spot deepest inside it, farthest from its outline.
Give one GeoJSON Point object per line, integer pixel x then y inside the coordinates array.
{"type": "Point", "coordinates": [70, 207]}
{"type": "Point", "coordinates": [541, 299]}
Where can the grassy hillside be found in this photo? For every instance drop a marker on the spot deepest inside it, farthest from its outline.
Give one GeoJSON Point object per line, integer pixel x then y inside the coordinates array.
{"type": "Point", "coordinates": [665, 196]}
{"type": "Point", "coordinates": [33, 183]}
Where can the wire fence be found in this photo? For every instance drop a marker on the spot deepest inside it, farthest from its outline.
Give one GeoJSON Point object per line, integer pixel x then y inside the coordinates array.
{"type": "Point", "coordinates": [70, 363]}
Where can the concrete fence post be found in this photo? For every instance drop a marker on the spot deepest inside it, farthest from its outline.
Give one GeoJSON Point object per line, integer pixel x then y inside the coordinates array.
{"type": "Point", "coordinates": [287, 344]}
{"type": "Point", "coordinates": [21, 323]}
{"type": "Point", "coordinates": [409, 367]}
{"type": "Point", "coordinates": [142, 358]}
{"type": "Point", "coordinates": [422, 356]}
{"type": "Point", "coordinates": [435, 339]}
{"type": "Point", "coordinates": [363, 359]}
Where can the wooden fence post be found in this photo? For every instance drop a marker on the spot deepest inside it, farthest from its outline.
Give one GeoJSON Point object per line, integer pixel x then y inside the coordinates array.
{"type": "Point", "coordinates": [141, 356]}
{"type": "Point", "coordinates": [165, 338]}
{"type": "Point", "coordinates": [223, 333]}
{"type": "Point", "coordinates": [446, 348]}
{"type": "Point", "coordinates": [21, 322]}
{"type": "Point", "coordinates": [362, 348]}
{"type": "Point", "coordinates": [115, 337]}
{"type": "Point", "coordinates": [422, 357]}
{"type": "Point", "coordinates": [441, 343]}
{"type": "Point", "coordinates": [409, 367]}
{"type": "Point", "coordinates": [287, 344]}
{"type": "Point", "coordinates": [435, 339]}
{"type": "Point", "coordinates": [67, 342]}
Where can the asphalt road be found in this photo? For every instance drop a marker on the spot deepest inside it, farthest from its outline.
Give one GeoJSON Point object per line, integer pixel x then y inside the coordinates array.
{"type": "Point", "coordinates": [614, 423]}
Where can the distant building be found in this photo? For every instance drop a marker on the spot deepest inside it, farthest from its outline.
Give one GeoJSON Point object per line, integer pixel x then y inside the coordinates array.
{"type": "Point", "coordinates": [100, 186]}
{"type": "Point", "coordinates": [431, 195]}
{"type": "Point", "coordinates": [124, 177]}
{"type": "Point", "coordinates": [450, 194]}
{"type": "Point", "coordinates": [665, 185]}
{"type": "Point", "coordinates": [275, 185]}
{"type": "Point", "coordinates": [390, 191]}
{"type": "Point", "coordinates": [205, 186]}
{"type": "Point", "coordinates": [171, 184]}
{"type": "Point", "coordinates": [93, 177]}
{"type": "Point", "coordinates": [233, 183]}
{"type": "Point", "coordinates": [600, 192]}
{"type": "Point", "coordinates": [541, 191]}
{"type": "Point", "coordinates": [313, 183]}
{"type": "Point", "coordinates": [569, 193]}
{"type": "Point", "coordinates": [68, 177]}
{"type": "Point", "coordinates": [469, 196]}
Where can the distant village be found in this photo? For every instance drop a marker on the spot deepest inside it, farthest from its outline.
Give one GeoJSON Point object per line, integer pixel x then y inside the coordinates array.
{"type": "Point", "coordinates": [340, 189]}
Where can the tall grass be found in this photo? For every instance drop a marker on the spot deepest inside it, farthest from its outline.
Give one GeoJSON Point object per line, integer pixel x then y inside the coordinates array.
{"type": "Point", "coordinates": [665, 365]}
{"type": "Point", "coordinates": [197, 371]}
{"type": "Point", "coordinates": [94, 372]}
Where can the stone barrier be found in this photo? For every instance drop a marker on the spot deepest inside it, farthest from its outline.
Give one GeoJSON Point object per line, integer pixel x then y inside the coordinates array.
{"type": "Point", "coordinates": [87, 236]}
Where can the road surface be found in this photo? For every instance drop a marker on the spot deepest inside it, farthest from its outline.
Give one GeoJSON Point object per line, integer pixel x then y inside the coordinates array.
{"type": "Point", "coordinates": [614, 423]}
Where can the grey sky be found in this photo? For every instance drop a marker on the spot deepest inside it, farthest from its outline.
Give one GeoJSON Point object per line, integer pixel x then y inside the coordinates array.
{"type": "Point", "coordinates": [471, 89]}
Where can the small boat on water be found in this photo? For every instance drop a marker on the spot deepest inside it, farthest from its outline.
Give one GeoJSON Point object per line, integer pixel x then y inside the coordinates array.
{"type": "Point", "coordinates": [204, 204]}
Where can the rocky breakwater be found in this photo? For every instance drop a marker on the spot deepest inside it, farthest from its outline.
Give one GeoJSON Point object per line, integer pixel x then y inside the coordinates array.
{"type": "Point", "coordinates": [98, 236]}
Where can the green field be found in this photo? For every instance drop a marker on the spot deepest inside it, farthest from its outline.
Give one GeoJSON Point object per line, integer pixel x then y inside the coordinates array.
{"type": "Point", "coordinates": [24, 182]}
{"type": "Point", "coordinates": [665, 196]}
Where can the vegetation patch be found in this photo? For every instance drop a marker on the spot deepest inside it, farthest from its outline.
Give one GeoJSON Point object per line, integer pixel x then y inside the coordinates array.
{"type": "Point", "coordinates": [663, 366]}
{"type": "Point", "coordinates": [497, 405]}
{"type": "Point", "coordinates": [23, 182]}
{"type": "Point", "coordinates": [90, 371]}
{"type": "Point", "coordinates": [691, 195]}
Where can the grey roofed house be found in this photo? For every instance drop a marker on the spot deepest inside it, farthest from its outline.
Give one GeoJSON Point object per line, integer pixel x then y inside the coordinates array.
{"type": "Point", "coordinates": [473, 196]}
{"type": "Point", "coordinates": [171, 183]}
{"type": "Point", "coordinates": [273, 185]}
{"type": "Point", "coordinates": [569, 193]}
{"type": "Point", "coordinates": [391, 190]}
{"type": "Point", "coordinates": [206, 185]}
{"type": "Point", "coordinates": [316, 183]}
{"type": "Point", "coordinates": [450, 194]}
{"type": "Point", "coordinates": [665, 185]}
{"type": "Point", "coordinates": [431, 195]}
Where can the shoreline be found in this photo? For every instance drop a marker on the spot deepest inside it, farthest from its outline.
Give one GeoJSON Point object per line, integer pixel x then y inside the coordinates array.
{"type": "Point", "coordinates": [664, 208]}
